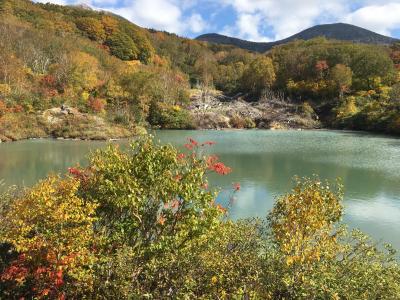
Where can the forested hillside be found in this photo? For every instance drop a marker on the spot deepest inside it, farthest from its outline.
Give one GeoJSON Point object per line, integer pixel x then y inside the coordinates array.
{"type": "Point", "coordinates": [336, 31]}
{"type": "Point", "coordinates": [121, 76]}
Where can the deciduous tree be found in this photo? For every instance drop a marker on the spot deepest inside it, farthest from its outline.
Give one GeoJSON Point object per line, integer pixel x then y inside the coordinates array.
{"type": "Point", "coordinates": [342, 77]}
{"type": "Point", "coordinates": [259, 75]}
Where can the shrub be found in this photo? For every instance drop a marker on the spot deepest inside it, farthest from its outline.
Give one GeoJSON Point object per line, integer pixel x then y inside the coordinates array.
{"type": "Point", "coordinates": [152, 205]}
{"type": "Point", "coordinates": [97, 105]}
{"type": "Point", "coordinates": [169, 116]}
{"type": "Point", "coordinates": [237, 121]}
{"type": "Point", "coordinates": [394, 125]}
{"type": "Point", "coordinates": [312, 257]}
{"type": "Point", "coordinates": [227, 266]}
{"type": "Point", "coordinates": [249, 123]}
{"type": "Point", "coordinates": [121, 118]}
{"type": "Point", "coordinates": [50, 228]}
{"type": "Point", "coordinates": [346, 109]}
{"type": "Point", "coordinates": [5, 89]}
{"type": "Point", "coordinates": [143, 223]}
{"type": "Point", "coordinates": [307, 110]}
{"type": "Point", "coordinates": [3, 108]}
{"type": "Point", "coordinates": [17, 108]}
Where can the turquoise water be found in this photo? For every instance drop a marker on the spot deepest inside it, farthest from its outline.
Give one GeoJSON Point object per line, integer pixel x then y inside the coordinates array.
{"type": "Point", "coordinates": [264, 162]}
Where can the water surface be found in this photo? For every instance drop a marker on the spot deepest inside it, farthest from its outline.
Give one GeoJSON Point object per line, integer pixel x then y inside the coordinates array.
{"type": "Point", "coordinates": [264, 162]}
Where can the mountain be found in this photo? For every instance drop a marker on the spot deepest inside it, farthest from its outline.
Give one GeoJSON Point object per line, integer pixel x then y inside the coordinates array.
{"type": "Point", "coordinates": [337, 31]}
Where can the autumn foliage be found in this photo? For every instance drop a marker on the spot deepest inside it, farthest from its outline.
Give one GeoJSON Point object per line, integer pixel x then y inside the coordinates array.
{"type": "Point", "coordinates": [145, 222]}
{"type": "Point", "coordinates": [50, 228]}
{"type": "Point", "coordinates": [97, 105]}
{"type": "Point", "coordinates": [52, 55]}
{"type": "Point", "coordinates": [3, 108]}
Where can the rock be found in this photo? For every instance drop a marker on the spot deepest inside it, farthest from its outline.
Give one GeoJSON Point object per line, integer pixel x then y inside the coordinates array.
{"type": "Point", "coordinates": [261, 125]}
{"type": "Point", "coordinates": [211, 120]}
{"type": "Point", "coordinates": [214, 110]}
{"type": "Point", "coordinates": [4, 139]}
{"type": "Point", "coordinates": [276, 125]}
{"type": "Point", "coordinates": [73, 111]}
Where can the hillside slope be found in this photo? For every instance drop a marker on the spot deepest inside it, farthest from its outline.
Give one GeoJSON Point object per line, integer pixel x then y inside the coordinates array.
{"type": "Point", "coordinates": [337, 31]}
{"type": "Point", "coordinates": [120, 76]}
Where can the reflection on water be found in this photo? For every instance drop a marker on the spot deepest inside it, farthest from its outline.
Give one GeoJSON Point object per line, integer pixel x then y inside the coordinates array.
{"type": "Point", "coordinates": [264, 162]}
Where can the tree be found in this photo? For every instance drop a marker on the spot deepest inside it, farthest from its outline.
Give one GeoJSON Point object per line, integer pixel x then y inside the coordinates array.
{"type": "Point", "coordinates": [122, 46]}
{"type": "Point", "coordinates": [321, 66]}
{"type": "Point", "coordinates": [110, 24]}
{"type": "Point", "coordinates": [205, 67]}
{"type": "Point", "coordinates": [369, 63]}
{"type": "Point", "coordinates": [342, 77]}
{"type": "Point", "coordinates": [346, 108]}
{"type": "Point", "coordinates": [85, 71]}
{"type": "Point", "coordinates": [141, 88]}
{"type": "Point", "coordinates": [258, 76]}
{"type": "Point", "coordinates": [146, 50]}
{"type": "Point", "coordinates": [92, 27]}
{"type": "Point", "coordinates": [229, 77]}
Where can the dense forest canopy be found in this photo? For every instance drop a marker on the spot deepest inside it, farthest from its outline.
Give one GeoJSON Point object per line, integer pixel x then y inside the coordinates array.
{"type": "Point", "coordinates": [103, 64]}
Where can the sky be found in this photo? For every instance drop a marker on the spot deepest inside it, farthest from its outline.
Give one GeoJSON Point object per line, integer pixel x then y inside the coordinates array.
{"type": "Point", "coordinates": [255, 20]}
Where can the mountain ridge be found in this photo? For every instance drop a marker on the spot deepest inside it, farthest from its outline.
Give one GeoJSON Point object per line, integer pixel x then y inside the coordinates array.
{"type": "Point", "coordinates": [336, 31]}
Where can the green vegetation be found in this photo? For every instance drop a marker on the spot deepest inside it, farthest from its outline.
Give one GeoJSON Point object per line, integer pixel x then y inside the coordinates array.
{"type": "Point", "coordinates": [259, 76]}
{"type": "Point", "coordinates": [144, 224]}
{"type": "Point", "coordinates": [336, 31]}
{"type": "Point", "coordinates": [103, 65]}
{"type": "Point", "coordinates": [97, 63]}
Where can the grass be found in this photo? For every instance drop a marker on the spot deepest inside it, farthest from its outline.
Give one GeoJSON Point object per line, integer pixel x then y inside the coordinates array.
{"type": "Point", "coordinates": [19, 126]}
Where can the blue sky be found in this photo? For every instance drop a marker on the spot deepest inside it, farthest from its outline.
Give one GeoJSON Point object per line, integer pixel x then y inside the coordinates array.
{"type": "Point", "coordinates": [257, 20]}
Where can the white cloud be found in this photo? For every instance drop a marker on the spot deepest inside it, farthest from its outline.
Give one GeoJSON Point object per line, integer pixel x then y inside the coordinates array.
{"type": "Point", "coordinates": [380, 18]}
{"type": "Point", "coordinates": [283, 18]}
{"type": "Point", "coordinates": [196, 23]}
{"type": "Point", "coordinates": [168, 15]}
{"type": "Point", "coordinates": [249, 25]}
{"type": "Point", "coordinates": [257, 20]}
{"type": "Point", "coordinates": [103, 3]}
{"type": "Point", "coordinates": [380, 210]}
{"type": "Point", "coordinates": [159, 14]}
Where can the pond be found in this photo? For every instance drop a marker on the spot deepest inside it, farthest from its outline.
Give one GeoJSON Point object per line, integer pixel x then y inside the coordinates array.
{"type": "Point", "coordinates": [264, 162]}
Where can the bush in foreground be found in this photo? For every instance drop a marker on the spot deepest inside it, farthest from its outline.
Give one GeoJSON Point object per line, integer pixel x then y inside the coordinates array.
{"type": "Point", "coordinates": [142, 223]}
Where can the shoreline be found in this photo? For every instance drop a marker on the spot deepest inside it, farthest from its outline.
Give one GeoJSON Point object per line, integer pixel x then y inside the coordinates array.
{"type": "Point", "coordinates": [116, 139]}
